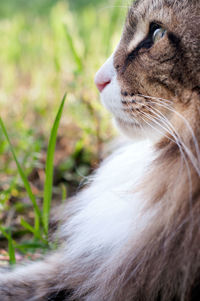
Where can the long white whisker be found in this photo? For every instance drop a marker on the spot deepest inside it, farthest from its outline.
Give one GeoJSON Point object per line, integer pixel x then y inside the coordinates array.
{"type": "Point", "coordinates": [163, 123]}
{"type": "Point", "coordinates": [194, 161]}
{"type": "Point", "coordinates": [178, 142]}
{"type": "Point", "coordinates": [183, 158]}
{"type": "Point", "coordinates": [155, 98]}
{"type": "Point", "coordinates": [187, 124]}
{"type": "Point", "coordinates": [167, 105]}
{"type": "Point", "coordinates": [163, 133]}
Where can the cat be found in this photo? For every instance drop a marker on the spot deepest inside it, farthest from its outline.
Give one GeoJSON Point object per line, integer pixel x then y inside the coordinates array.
{"type": "Point", "coordinates": [133, 234]}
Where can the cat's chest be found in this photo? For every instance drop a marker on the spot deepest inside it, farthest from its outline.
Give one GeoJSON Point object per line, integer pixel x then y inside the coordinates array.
{"type": "Point", "coordinates": [109, 210]}
{"type": "Point", "coordinates": [124, 170]}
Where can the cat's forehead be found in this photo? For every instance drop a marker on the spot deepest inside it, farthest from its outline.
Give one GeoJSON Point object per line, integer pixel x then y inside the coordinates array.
{"type": "Point", "coordinates": [143, 8]}
{"type": "Point", "coordinates": [171, 13]}
{"type": "Point", "coordinates": [159, 4]}
{"type": "Point", "coordinates": [146, 5]}
{"type": "Point", "coordinates": [140, 15]}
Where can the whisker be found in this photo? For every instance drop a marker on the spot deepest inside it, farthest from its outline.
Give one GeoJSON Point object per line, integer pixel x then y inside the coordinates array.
{"type": "Point", "coordinates": [183, 158]}
{"type": "Point", "coordinates": [151, 119]}
{"type": "Point", "coordinates": [165, 104]}
{"type": "Point", "coordinates": [178, 141]}
{"type": "Point", "coordinates": [156, 98]}
{"type": "Point", "coordinates": [162, 121]}
{"type": "Point", "coordinates": [187, 124]}
{"type": "Point", "coordinates": [195, 161]}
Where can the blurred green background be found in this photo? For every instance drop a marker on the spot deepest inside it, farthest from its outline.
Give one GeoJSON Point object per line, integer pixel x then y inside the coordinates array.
{"type": "Point", "coordinates": [47, 48]}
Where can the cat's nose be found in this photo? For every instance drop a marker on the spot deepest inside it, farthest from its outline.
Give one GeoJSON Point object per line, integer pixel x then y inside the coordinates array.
{"type": "Point", "coordinates": [105, 74]}
{"type": "Point", "coordinates": [101, 82]}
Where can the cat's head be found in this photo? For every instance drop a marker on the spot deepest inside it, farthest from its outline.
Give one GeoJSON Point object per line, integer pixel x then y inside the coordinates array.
{"type": "Point", "coordinates": [155, 69]}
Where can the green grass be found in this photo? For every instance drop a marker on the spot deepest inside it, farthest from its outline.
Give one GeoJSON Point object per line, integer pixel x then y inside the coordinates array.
{"type": "Point", "coordinates": [49, 169]}
{"type": "Point", "coordinates": [47, 48]}
{"type": "Point", "coordinates": [40, 231]}
{"type": "Point", "coordinates": [27, 186]}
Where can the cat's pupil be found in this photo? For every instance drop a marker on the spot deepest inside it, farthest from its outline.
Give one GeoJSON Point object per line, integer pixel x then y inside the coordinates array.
{"type": "Point", "coordinates": [158, 34]}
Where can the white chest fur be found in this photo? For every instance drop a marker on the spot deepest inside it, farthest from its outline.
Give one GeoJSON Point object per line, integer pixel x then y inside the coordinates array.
{"type": "Point", "coordinates": [109, 211]}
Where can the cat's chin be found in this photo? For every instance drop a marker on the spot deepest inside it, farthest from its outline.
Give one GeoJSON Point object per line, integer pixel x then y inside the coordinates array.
{"type": "Point", "coordinates": [134, 131]}
{"type": "Point", "coordinates": [129, 129]}
{"type": "Point", "coordinates": [111, 100]}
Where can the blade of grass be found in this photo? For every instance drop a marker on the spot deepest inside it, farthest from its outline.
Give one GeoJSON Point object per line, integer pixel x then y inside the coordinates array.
{"type": "Point", "coordinates": [23, 247]}
{"type": "Point", "coordinates": [11, 252]}
{"type": "Point", "coordinates": [75, 54]}
{"type": "Point", "coordinates": [11, 249]}
{"type": "Point", "coordinates": [28, 227]}
{"type": "Point", "coordinates": [49, 167]}
{"type": "Point", "coordinates": [4, 233]}
{"type": "Point", "coordinates": [38, 216]}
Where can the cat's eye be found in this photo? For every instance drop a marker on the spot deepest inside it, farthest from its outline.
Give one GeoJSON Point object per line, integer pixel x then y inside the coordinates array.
{"type": "Point", "coordinates": [158, 34]}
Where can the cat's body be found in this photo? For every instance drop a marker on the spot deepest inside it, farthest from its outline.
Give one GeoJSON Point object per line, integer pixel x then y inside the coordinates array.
{"type": "Point", "coordinates": [134, 233]}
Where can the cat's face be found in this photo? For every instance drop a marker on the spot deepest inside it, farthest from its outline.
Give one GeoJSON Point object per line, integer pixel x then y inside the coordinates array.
{"type": "Point", "coordinates": [155, 68]}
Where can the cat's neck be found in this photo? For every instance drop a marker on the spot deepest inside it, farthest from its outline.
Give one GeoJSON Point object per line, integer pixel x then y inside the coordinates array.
{"type": "Point", "coordinates": [175, 172]}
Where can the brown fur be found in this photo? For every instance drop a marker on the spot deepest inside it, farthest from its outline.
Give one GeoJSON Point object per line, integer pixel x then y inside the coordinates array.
{"type": "Point", "coordinates": [166, 266]}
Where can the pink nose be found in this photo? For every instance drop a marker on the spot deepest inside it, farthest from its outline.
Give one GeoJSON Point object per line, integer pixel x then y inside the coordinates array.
{"type": "Point", "coordinates": [102, 84]}
{"type": "Point", "coordinates": [104, 76]}
{"type": "Point", "coordinates": [101, 81]}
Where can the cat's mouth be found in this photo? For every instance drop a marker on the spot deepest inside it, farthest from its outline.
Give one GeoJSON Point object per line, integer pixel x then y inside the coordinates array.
{"type": "Point", "coordinates": [132, 111]}
{"type": "Point", "coordinates": [125, 107]}
{"type": "Point", "coordinates": [133, 99]}
{"type": "Point", "coordinates": [133, 103]}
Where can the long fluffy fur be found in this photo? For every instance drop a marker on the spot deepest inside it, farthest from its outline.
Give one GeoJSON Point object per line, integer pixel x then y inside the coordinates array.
{"type": "Point", "coordinates": [133, 234]}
